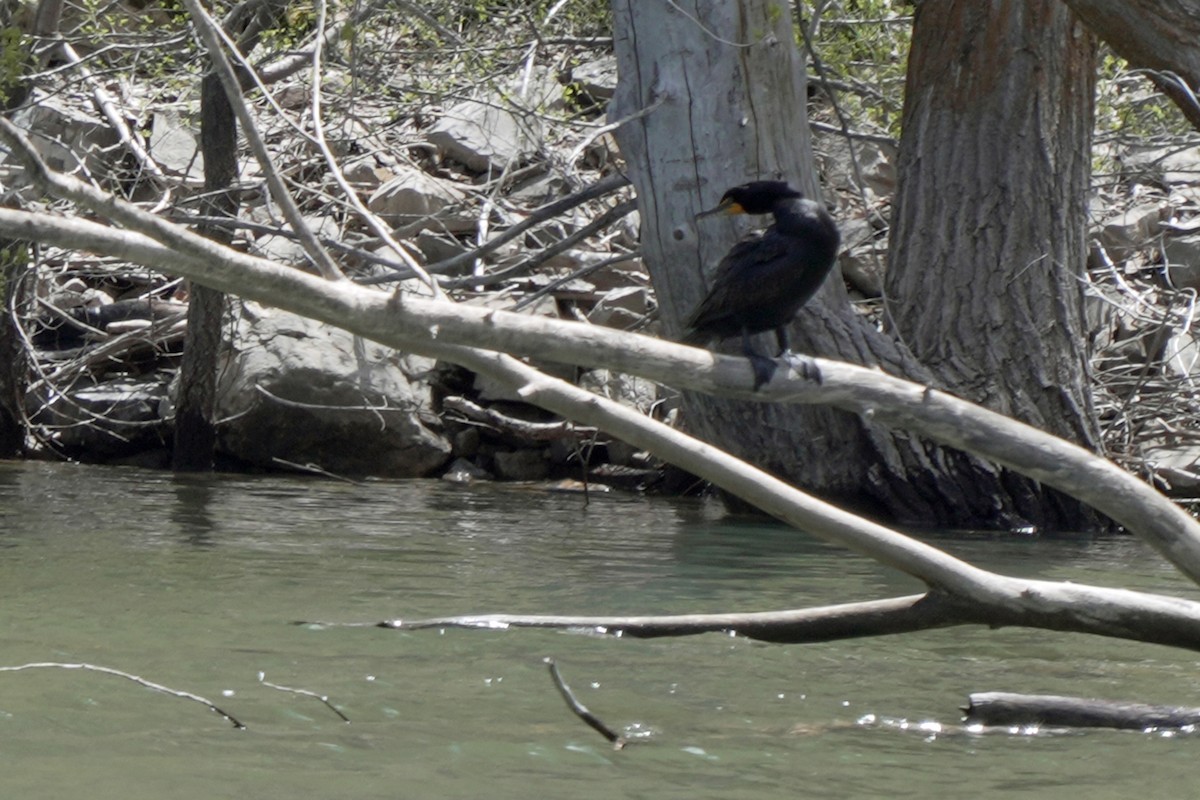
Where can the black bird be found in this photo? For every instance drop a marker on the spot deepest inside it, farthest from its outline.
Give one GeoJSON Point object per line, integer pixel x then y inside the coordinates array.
{"type": "Point", "coordinates": [763, 281]}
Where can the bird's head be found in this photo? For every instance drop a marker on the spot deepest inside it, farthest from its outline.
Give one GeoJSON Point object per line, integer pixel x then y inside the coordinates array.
{"type": "Point", "coordinates": [756, 197]}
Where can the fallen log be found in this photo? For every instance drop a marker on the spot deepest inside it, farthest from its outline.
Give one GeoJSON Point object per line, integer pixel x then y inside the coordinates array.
{"type": "Point", "coordinates": [1008, 709]}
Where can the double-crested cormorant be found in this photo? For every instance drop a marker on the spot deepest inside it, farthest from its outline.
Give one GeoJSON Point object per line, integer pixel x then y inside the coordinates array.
{"type": "Point", "coordinates": [764, 280]}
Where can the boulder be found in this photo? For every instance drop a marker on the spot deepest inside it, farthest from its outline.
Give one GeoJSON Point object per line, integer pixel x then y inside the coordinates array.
{"type": "Point", "coordinates": [301, 391]}
{"type": "Point", "coordinates": [64, 133]}
{"type": "Point", "coordinates": [497, 130]}
{"type": "Point", "coordinates": [416, 201]}
{"type": "Point", "coordinates": [105, 420]}
{"type": "Point", "coordinates": [1128, 231]}
{"type": "Point", "coordinates": [1183, 261]}
{"type": "Point", "coordinates": [174, 147]}
{"type": "Point", "coordinates": [287, 249]}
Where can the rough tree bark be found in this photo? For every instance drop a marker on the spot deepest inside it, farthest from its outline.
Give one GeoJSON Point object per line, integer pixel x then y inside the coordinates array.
{"type": "Point", "coordinates": [1161, 35]}
{"type": "Point", "coordinates": [195, 430]}
{"type": "Point", "coordinates": [14, 255]}
{"type": "Point", "coordinates": [988, 246]}
{"type": "Point", "coordinates": [714, 95]}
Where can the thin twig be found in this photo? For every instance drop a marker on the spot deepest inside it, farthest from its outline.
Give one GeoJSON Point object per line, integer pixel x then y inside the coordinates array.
{"type": "Point", "coordinates": [580, 710]}
{"type": "Point", "coordinates": [540, 215]}
{"type": "Point", "coordinates": [603, 221]}
{"type": "Point", "coordinates": [212, 35]}
{"type": "Point", "coordinates": [262, 678]}
{"type": "Point", "coordinates": [158, 687]}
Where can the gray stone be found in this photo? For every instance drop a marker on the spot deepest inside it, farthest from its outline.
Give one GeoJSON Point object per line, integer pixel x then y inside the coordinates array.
{"type": "Point", "coordinates": [63, 134]}
{"type": "Point", "coordinates": [620, 308]}
{"type": "Point", "coordinates": [286, 250]}
{"type": "Point", "coordinates": [494, 132]}
{"type": "Point", "coordinates": [598, 78]}
{"type": "Point", "coordinates": [628, 390]}
{"type": "Point", "coordinates": [463, 471]}
{"type": "Point", "coordinates": [416, 201]}
{"type": "Point", "coordinates": [1168, 165]}
{"type": "Point", "coordinates": [112, 418]}
{"type": "Point", "coordinates": [865, 268]}
{"type": "Point", "coordinates": [1129, 231]}
{"type": "Point", "coordinates": [1176, 463]}
{"type": "Point", "coordinates": [174, 147]}
{"type": "Point", "coordinates": [295, 389]}
{"type": "Point", "coordinates": [1183, 261]}
{"type": "Point", "coordinates": [522, 465]}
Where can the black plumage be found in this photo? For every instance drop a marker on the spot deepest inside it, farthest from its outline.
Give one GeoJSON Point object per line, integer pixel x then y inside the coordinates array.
{"type": "Point", "coordinates": [763, 281]}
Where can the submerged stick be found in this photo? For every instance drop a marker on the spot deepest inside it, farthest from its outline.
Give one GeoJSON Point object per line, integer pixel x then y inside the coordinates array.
{"type": "Point", "coordinates": [262, 678]}
{"type": "Point", "coordinates": [1005, 708]}
{"type": "Point", "coordinates": [158, 687]}
{"type": "Point", "coordinates": [580, 710]}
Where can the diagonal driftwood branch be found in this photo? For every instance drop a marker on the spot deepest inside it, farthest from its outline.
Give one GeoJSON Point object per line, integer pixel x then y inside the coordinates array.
{"type": "Point", "coordinates": [996, 600]}
{"type": "Point", "coordinates": [1116, 613]}
{"type": "Point", "coordinates": [429, 326]}
{"type": "Point", "coordinates": [935, 414]}
{"type": "Point", "coordinates": [441, 330]}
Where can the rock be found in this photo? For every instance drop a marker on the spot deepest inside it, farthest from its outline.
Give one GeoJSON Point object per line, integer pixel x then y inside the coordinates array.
{"type": "Point", "coordinates": [621, 308]}
{"type": "Point", "coordinates": [628, 390]}
{"type": "Point", "coordinates": [463, 471]}
{"type": "Point", "coordinates": [865, 268]}
{"type": "Point", "coordinates": [366, 176]}
{"type": "Point", "coordinates": [65, 134]}
{"type": "Point", "coordinates": [1177, 464]}
{"type": "Point", "coordinates": [1166, 165]}
{"type": "Point", "coordinates": [295, 389]}
{"type": "Point", "coordinates": [1131, 230]}
{"type": "Point", "coordinates": [436, 248]}
{"type": "Point", "coordinates": [1181, 354]}
{"type": "Point", "coordinates": [876, 164]}
{"type": "Point", "coordinates": [1183, 261]}
{"type": "Point", "coordinates": [863, 260]}
{"type": "Point", "coordinates": [111, 419]}
{"type": "Point", "coordinates": [494, 133]}
{"type": "Point", "coordinates": [522, 465]}
{"type": "Point", "coordinates": [174, 147]}
{"type": "Point", "coordinates": [466, 442]}
{"type": "Point", "coordinates": [416, 201]}
{"type": "Point", "coordinates": [596, 79]}
{"type": "Point", "coordinates": [287, 250]}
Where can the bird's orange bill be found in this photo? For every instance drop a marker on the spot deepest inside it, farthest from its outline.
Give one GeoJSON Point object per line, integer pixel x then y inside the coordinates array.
{"type": "Point", "coordinates": [726, 207]}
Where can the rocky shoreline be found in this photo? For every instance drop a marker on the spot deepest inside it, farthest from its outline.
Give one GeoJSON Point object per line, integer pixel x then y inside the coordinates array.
{"type": "Point", "coordinates": [105, 338]}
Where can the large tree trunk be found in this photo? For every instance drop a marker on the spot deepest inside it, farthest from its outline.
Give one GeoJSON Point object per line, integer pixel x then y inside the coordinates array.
{"type": "Point", "coordinates": [721, 95]}
{"type": "Point", "coordinates": [988, 245]}
{"type": "Point", "coordinates": [722, 114]}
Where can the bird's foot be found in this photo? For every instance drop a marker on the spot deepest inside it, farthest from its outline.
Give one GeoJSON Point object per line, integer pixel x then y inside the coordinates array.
{"type": "Point", "coordinates": [764, 369]}
{"type": "Point", "coordinates": [806, 366]}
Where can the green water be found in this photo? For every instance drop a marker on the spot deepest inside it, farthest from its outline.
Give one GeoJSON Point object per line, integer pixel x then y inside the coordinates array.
{"type": "Point", "coordinates": [193, 584]}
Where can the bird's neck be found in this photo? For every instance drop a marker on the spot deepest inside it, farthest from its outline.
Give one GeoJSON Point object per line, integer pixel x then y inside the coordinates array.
{"type": "Point", "coordinates": [796, 215]}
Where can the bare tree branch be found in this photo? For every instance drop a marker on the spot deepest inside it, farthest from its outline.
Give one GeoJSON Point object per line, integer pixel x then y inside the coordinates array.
{"type": "Point", "coordinates": [140, 681]}
{"type": "Point", "coordinates": [454, 332]}
{"type": "Point", "coordinates": [580, 710]}
{"type": "Point", "coordinates": [211, 34]}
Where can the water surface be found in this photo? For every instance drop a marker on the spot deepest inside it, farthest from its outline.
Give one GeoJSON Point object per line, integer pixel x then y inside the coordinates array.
{"type": "Point", "coordinates": [194, 583]}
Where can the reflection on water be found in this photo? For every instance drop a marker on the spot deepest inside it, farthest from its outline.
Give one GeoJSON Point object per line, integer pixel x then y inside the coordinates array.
{"type": "Point", "coordinates": [194, 583]}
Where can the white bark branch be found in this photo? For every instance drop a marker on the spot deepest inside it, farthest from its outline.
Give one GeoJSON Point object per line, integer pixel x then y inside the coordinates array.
{"type": "Point", "coordinates": [451, 332]}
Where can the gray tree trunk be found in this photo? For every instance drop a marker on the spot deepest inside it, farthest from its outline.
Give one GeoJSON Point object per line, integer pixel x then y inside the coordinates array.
{"type": "Point", "coordinates": [195, 430]}
{"type": "Point", "coordinates": [724, 93]}
{"type": "Point", "coordinates": [714, 95]}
